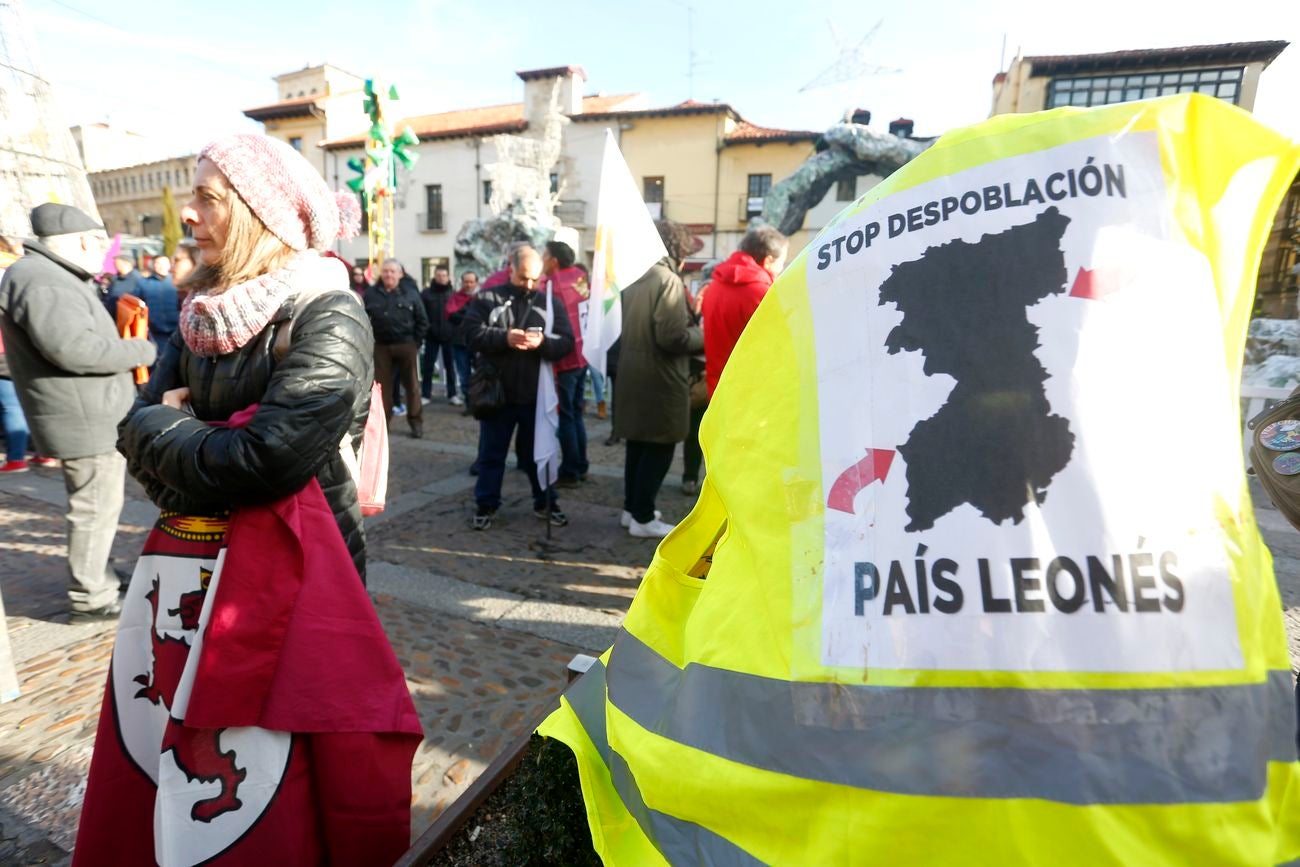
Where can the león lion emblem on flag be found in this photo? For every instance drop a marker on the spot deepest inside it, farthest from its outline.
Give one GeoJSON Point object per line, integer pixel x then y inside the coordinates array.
{"type": "Point", "coordinates": [216, 782]}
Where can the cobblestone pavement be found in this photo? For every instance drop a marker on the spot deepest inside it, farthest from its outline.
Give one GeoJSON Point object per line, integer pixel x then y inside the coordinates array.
{"type": "Point", "coordinates": [482, 622]}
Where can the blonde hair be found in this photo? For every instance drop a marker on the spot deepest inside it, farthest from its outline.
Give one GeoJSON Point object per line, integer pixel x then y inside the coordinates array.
{"type": "Point", "coordinates": [251, 250]}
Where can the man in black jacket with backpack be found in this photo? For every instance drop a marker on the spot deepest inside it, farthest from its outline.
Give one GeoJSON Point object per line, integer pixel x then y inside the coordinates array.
{"type": "Point", "coordinates": [506, 325]}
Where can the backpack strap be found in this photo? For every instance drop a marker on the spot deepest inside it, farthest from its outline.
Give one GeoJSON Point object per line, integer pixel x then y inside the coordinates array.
{"type": "Point", "coordinates": [283, 339]}
{"type": "Point", "coordinates": [284, 333]}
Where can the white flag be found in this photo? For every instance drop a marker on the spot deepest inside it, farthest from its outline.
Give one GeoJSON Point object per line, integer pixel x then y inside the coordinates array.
{"type": "Point", "coordinates": [627, 244]}
{"type": "Point", "coordinates": [546, 440]}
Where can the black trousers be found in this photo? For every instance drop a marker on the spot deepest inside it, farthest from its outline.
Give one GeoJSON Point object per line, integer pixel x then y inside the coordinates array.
{"type": "Point", "coordinates": [692, 456]}
{"type": "Point", "coordinates": [644, 469]}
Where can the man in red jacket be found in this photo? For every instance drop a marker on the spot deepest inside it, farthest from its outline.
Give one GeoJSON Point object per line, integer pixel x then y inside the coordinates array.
{"type": "Point", "coordinates": [733, 294]}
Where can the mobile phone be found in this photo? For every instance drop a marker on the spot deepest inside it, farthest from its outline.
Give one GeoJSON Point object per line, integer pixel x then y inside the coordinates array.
{"type": "Point", "coordinates": [535, 329]}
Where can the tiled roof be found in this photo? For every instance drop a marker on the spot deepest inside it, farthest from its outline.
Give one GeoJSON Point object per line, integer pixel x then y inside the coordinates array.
{"type": "Point", "coordinates": [750, 133]}
{"type": "Point", "coordinates": [1228, 52]}
{"type": "Point", "coordinates": [681, 109]}
{"type": "Point", "coordinates": [551, 72]}
{"type": "Point", "coordinates": [489, 120]}
{"type": "Point", "coordinates": [299, 107]}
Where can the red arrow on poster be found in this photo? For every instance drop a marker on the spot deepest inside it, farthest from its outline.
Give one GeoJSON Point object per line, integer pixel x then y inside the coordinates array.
{"type": "Point", "coordinates": [1093, 285]}
{"type": "Point", "coordinates": [874, 467]}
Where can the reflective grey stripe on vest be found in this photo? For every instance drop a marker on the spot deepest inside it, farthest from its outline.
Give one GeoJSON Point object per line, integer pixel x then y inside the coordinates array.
{"type": "Point", "coordinates": [1159, 746]}
{"type": "Point", "coordinates": [587, 698]}
{"type": "Point", "coordinates": [679, 841]}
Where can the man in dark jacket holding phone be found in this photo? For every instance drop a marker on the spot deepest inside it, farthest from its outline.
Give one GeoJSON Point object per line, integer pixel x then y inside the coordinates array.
{"type": "Point", "coordinates": [507, 326]}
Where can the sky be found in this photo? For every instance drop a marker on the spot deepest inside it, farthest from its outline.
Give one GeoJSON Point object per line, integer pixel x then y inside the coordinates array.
{"type": "Point", "coordinates": [182, 73]}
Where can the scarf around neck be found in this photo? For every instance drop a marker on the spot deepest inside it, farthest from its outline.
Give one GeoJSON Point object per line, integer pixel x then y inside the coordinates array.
{"type": "Point", "coordinates": [219, 323]}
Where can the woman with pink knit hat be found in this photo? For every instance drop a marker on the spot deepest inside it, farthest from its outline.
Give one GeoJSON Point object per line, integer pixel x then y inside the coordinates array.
{"type": "Point", "coordinates": [255, 712]}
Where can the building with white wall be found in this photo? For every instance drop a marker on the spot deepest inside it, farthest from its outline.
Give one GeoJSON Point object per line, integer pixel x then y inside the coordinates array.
{"type": "Point", "coordinates": [700, 164]}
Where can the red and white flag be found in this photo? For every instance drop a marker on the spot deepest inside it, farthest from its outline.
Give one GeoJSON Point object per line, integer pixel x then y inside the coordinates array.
{"type": "Point", "coordinates": [255, 712]}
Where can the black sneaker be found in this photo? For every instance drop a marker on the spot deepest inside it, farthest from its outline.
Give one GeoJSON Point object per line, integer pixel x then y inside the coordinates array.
{"type": "Point", "coordinates": [568, 482]}
{"type": "Point", "coordinates": [104, 612]}
{"type": "Point", "coordinates": [556, 517]}
{"type": "Point", "coordinates": [482, 519]}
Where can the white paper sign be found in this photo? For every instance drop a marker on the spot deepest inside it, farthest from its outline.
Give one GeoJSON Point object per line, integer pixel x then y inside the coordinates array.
{"type": "Point", "coordinates": [1026, 423]}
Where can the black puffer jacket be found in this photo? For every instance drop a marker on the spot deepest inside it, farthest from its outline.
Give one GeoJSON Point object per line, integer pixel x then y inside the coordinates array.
{"type": "Point", "coordinates": [492, 313]}
{"type": "Point", "coordinates": [308, 400]}
{"type": "Point", "coordinates": [435, 297]}
{"type": "Point", "coordinates": [397, 316]}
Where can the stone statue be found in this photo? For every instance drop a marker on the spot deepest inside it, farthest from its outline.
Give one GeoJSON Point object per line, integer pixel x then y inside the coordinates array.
{"type": "Point", "coordinates": [521, 201]}
{"type": "Point", "coordinates": [846, 150]}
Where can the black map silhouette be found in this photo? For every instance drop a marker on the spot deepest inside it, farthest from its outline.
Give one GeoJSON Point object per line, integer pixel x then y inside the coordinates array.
{"type": "Point", "coordinates": [995, 444]}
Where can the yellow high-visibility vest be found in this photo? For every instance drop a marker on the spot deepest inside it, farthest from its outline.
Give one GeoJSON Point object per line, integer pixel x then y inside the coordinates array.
{"type": "Point", "coordinates": [974, 576]}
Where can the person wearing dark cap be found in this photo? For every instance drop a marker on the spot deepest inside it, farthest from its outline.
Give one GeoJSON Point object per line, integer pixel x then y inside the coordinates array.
{"type": "Point", "coordinates": [72, 372]}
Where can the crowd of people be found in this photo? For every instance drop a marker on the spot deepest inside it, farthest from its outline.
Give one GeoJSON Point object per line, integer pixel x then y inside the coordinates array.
{"type": "Point", "coordinates": [522, 322]}
{"type": "Point", "coordinates": [526, 321]}
{"type": "Point", "coordinates": [261, 351]}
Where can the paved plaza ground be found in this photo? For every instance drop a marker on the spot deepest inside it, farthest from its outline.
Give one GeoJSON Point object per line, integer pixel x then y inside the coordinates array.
{"type": "Point", "coordinates": [483, 623]}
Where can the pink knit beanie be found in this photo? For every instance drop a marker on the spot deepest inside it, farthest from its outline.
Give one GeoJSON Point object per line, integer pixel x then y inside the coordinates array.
{"type": "Point", "coordinates": [284, 191]}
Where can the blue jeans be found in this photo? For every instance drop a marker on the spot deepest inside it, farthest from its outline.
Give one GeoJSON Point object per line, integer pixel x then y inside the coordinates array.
{"type": "Point", "coordinates": [573, 432]}
{"type": "Point", "coordinates": [15, 423]}
{"type": "Point", "coordinates": [464, 367]}
{"type": "Point", "coordinates": [597, 385]}
{"type": "Point", "coordinates": [493, 449]}
{"type": "Point", "coordinates": [431, 350]}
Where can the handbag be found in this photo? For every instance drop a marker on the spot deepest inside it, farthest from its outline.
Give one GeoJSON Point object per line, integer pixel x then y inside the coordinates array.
{"type": "Point", "coordinates": [698, 383]}
{"type": "Point", "coordinates": [487, 394]}
{"type": "Point", "coordinates": [371, 475]}
{"type": "Point", "coordinates": [133, 324]}
{"type": "Point", "coordinates": [367, 465]}
{"type": "Point", "coordinates": [699, 390]}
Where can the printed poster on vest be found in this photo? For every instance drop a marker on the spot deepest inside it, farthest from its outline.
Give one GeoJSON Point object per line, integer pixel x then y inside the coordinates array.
{"type": "Point", "coordinates": [1029, 436]}
{"type": "Point", "coordinates": [974, 577]}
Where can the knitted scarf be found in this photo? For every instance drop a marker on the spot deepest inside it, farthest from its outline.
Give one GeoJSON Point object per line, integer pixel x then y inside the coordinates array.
{"type": "Point", "coordinates": [218, 323]}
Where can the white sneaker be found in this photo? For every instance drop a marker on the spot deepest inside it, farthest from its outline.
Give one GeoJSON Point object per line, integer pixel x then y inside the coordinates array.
{"type": "Point", "coordinates": [626, 520]}
{"type": "Point", "coordinates": [400, 409]}
{"type": "Point", "coordinates": [457, 400]}
{"type": "Point", "coordinates": [655, 529]}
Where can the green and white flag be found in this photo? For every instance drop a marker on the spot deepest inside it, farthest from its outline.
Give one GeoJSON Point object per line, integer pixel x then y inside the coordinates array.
{"type": "Point", "coordinates": [627, 244]}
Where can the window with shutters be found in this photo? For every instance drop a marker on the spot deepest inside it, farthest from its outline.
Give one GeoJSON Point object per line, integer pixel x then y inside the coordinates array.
{"type": "Point", "coordinates": [433, 207]}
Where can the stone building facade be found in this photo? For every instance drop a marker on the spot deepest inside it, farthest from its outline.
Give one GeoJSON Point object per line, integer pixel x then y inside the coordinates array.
{"type": "Point", "coordinates": [130, 198]}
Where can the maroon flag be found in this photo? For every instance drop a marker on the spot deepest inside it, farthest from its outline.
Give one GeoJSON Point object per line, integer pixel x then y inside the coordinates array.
{"type": "Point", "coordinates": [255, 712]}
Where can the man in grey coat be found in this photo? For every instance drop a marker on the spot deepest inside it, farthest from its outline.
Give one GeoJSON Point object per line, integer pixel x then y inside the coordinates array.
{"type": "Point", "coordinates": [73, 376]}
{"type": "Point", "coordinates": [652, 390]}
